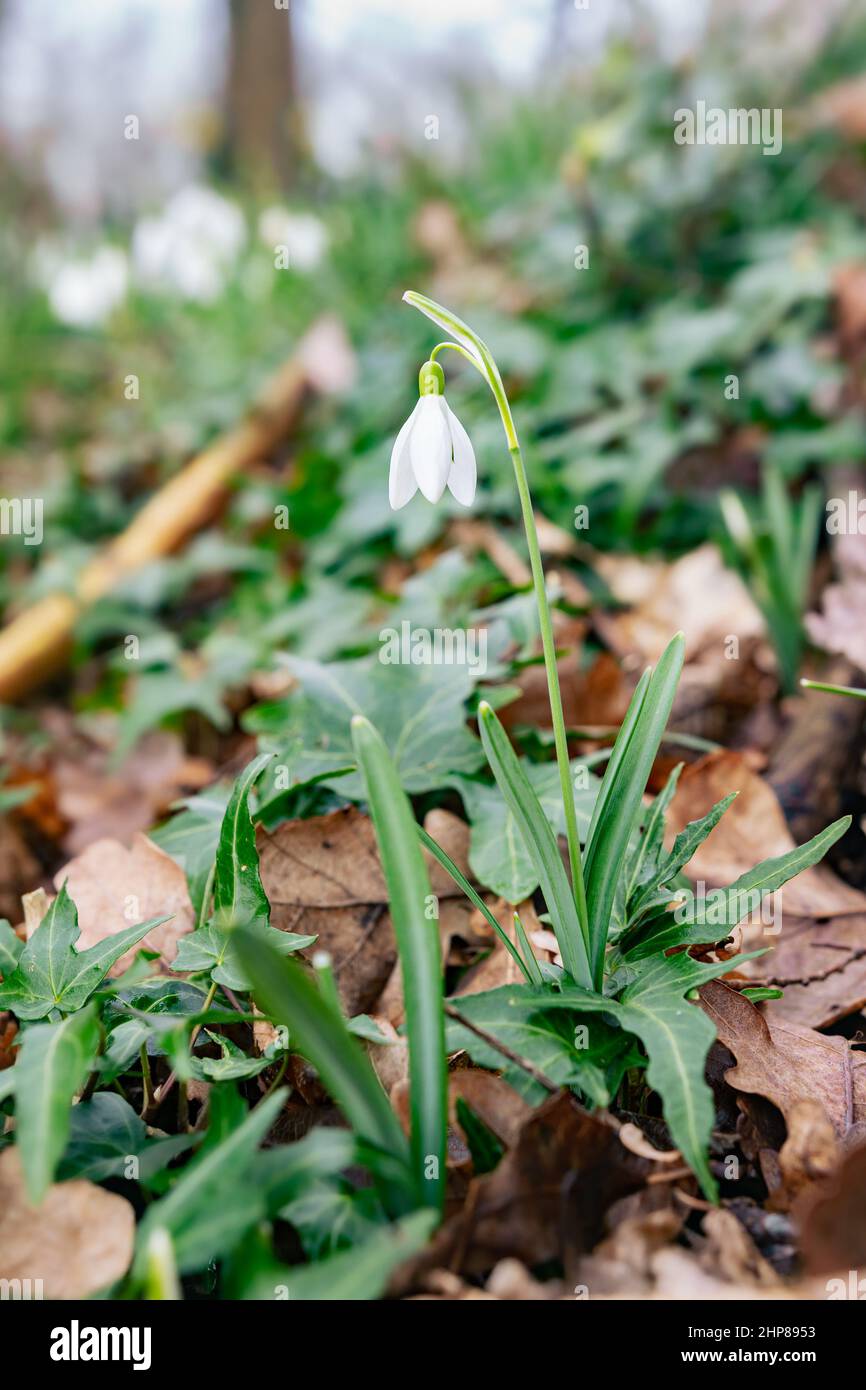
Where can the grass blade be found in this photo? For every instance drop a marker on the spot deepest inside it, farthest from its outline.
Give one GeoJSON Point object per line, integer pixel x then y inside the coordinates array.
{"type": "Point", "coordinates": [417, 936]}
{"type": "Point", "coordinates": [540, 841]}
{"type": "Point", "coordinates": [477, 901]}
{"type": "Point", "coordinates": [286, 993]}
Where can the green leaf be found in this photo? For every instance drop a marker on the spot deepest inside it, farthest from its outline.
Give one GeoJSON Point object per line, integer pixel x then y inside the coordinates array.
{"type": "Point", "coordinates": [622, 789]}
{"type": "Point", "coordinates": [105, 1133]}
{"type": "Point", "coordinates": [528, 1024]}
{"type": "Point", "coordinates": [11, 947]}
{"type": "Point", "coordinates": [417, 933]}
{"type": "Point", "coordinates": [51, 976]}
{"type": "Point", "coordinates": [727, 906]}
{"type": "Point", "coordinates": [686, 843]}
{"type": "Point", "coordinates": [358, 1274]}
{"type": "Point", "coordinates": [419, 711]}
{"type": "Point", "coordinates": [211, 1205]}
{"type": "Point", "coordinates": [540, 843]}
{"type": "Point", "coordinates": [477, 901]}
{"type": "Point", "coordinates": [677, 1037]}
{"type": "Point", "coordinates": [212, 949]}
{"type": "Point", "coordinates": [53, 1065]}
{"type": "Point", "coordinates": [288, 995]}
{"type": "Point", "coordinates": [498, 853]}
{"type": "Point", "coordinates": [239, 898]}
{"type": "Point", "coordinates": [191, 838]}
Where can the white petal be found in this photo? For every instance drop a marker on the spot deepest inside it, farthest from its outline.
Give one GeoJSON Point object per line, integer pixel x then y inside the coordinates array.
{"type": "Point", "coordinates": [430, 447]}
{"type": "Point", "coordinates": [463, 474]}
{"type": "Point", "coordinates": [401, 481]}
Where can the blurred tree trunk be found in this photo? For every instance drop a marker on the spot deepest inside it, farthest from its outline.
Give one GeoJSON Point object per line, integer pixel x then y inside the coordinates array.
{"type": "Point", "coordinates": [264, 134]}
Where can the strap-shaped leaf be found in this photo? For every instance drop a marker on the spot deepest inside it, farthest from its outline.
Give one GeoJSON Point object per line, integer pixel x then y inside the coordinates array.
{"type": "Point", "coordinates": [288, 995]}
{"type": "Point", "coordinates": [727, 906]}
{"type": "Point", "coordinates": [625, 781]}
{"type": "Point", "coordinates": [417, 933]}
{"type": "Point", "coordinates": [541, 843]}
{"type": "Point", "coordinates": [210, 1206]}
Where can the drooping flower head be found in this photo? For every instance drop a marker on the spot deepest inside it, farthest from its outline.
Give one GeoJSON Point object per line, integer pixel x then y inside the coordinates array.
{"type": "Point", "coordinates": [432, 450]}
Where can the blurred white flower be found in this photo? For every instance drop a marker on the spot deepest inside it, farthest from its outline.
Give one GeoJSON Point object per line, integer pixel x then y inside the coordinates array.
{"type": "Point", "coordinates": [81, 292]}
{"type": "Point", "coordinates": [191, 246]}
{"type": "Point", "coordinates": [432, 450]}
{"type": "Point", "coordinates": [305, 236]}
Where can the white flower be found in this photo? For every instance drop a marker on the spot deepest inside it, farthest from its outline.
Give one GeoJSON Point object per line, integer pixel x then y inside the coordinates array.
{"type": "Point", "coordinates": [83, 293]}
{"type": "Point", "coordinates": [432, 452]}
{"type": "Point", "coordinates": [191, 246]}
{"type": "Point", "coordinates": [303, 234]}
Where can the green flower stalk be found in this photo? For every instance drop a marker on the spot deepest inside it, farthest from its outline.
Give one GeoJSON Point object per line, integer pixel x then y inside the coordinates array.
{"type": "Point", "coordinates": [424, 460]}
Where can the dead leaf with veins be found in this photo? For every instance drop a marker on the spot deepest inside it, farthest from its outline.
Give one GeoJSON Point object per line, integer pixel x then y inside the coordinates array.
{"type": "Point", "coordinates": [818, 931]}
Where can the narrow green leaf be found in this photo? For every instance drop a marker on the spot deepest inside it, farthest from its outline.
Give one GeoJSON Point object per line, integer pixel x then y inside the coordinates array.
{"type": "Point", "coordinates": [726, 907]}
{"type": "Point", "coordinates": [477, 901]}
{"type": "Point", "coordinates": [686, 843]}
{"type": "Point", "coordinates": [210, 1205]}
{"type": "Point", "coordinates": [358, 1274]}
{"type": "Point", "coordinates": [541, 843]}
{"type": "Point", "coordinates": [52, 1067]}
{"type": "Point", "coordinates": [417, 933]}
{"type": "Point", "coordinates": [288, 995]}
{"type": "Point", "coordinates": [625, 781]}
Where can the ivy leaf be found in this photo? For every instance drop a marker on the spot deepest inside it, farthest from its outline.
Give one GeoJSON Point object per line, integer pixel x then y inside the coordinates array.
{"type": "Point", "coordinates": [726, 907]}
{"type": "Point", "coordinates": [105, 1133]}
{"type": "Point", "coordinates": [11, 947]}
{"type": "Point", "coordinates": [51, 977]}
{"type": "Point", "coordinates": [677, 1039]}
{"type": "Point", "coordinates": [418, 710]}
{"type": "Point", "coordinates": [53, 1065]}
{"type": "Point", "coordinates": [191, 838]}
{"type": "Point", "coordinates": [239, 898]}
{"type": "Point", "coordinates": [233, 1064]}
{"type": "Point", "coordinates": [498, 854]}
{"type": "Point", "coordinates": [522, 1019]}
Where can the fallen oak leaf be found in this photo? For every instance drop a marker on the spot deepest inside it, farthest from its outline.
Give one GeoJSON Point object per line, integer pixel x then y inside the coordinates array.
{"type": "Point", "coordinates": [818, 954]}
{"type": "Point", "coordinates": [785, 1062]}
{"type": "Point", "coordinates": [546, 1200]}
{"type": "Point", "coordinates": [323, 878]}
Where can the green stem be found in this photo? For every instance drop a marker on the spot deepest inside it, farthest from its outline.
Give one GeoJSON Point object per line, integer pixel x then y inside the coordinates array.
{"type": "Point", "coordinates": [560, 738]}
{"type": "Point", "coordinates": [470, 346]}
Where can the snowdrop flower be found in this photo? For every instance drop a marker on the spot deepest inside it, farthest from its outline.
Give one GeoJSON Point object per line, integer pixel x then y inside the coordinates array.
{"type": "Point", "coordinates": [191, 246]}
{"type": "Point", "coordinates": [304, 235]}
{"type": "Point", "coordinates": [82, 293]}
{"type": "Point", "coordinates": [432, 450]}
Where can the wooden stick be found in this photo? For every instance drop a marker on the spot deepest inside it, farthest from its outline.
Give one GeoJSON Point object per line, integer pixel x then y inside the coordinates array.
{"type": "Point", "coordinates": [38, 641]}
